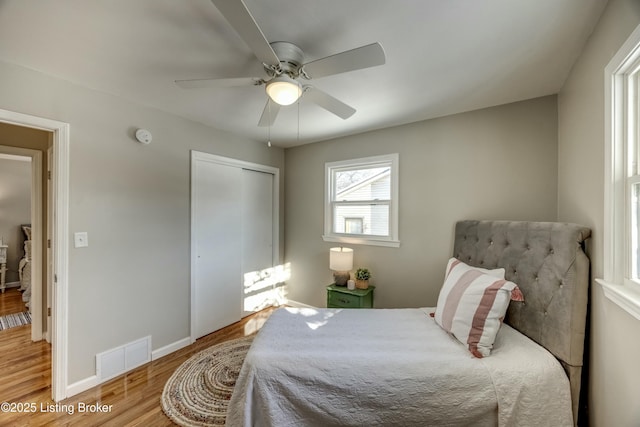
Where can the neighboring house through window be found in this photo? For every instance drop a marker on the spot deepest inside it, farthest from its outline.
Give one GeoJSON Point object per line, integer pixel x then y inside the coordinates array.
{"type": "Point", "coordinates": [361, 201]}
{"type": "Point", "coordinates": [354, 225]}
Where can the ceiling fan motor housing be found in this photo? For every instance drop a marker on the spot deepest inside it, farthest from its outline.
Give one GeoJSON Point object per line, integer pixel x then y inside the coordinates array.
{"type": "Point", "coordinates": [291, 57]}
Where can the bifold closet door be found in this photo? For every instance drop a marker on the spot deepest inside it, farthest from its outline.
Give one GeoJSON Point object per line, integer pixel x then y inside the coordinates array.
{"type": "Point", "coordinates": [218, 246]}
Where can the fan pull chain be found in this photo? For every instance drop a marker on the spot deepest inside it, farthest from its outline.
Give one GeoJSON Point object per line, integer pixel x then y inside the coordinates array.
{"type": "Point", "coordinates": [298, 136]}
{"type": "Point", "coordinates": [269, 127]}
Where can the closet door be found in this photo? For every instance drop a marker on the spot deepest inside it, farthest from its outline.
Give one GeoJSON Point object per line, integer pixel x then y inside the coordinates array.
{"type": "Point", "coordinates": [233, 240]}
{"type": "Point", "coordinates": [216, 231]}
{"type": "Point", "coordinates": [257, 240]}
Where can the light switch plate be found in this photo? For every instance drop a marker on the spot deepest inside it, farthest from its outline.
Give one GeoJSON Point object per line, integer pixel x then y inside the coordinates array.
{"type": "Point", "coordinates": [81, 239]}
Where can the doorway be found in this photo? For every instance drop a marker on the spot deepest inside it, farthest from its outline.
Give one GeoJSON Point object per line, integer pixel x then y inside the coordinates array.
{"type": "Point", "coordinates": [234, 240]}
{"type": "Point", "coordinates": [26, 236]}
{"type": "Point", "coordinates": [58, 203]}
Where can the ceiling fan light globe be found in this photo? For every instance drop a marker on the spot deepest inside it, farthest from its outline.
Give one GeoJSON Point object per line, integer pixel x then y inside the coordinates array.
{"type": "Point", "coordinates": [284, 90]}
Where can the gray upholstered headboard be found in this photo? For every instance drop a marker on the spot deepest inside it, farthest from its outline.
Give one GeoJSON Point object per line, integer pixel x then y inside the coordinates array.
{"type": "Point", "coordinates": [547, 261]}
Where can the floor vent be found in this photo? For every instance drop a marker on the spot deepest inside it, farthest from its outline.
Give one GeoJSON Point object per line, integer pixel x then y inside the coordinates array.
{"type": "Point", "coordinates": [119, 360]}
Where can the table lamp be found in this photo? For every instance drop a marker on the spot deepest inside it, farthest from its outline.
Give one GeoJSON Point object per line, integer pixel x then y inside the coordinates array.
{"type": "Point", "coordinates": [341, 262]}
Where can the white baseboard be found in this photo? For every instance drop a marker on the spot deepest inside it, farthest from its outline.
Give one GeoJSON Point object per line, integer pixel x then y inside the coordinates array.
{"type": "Point", "coordinates": [94, 380]}
{"type": "Point", "coordinates": [170, 348]}
{"type": "Point", "coordinates": [82, 385]}
{"type": "Point", "coordinates": [296, 304]}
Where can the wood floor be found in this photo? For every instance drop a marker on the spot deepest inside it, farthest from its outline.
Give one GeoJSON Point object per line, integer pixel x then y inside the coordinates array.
{"type": "Point", "coordinates": [132, 399]}
{"type": "Point", "coordinates": [11, 302]}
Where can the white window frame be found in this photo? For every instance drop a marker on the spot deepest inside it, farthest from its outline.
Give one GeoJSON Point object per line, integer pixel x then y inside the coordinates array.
{"type": "Point", "coordinates": [329, 235]}
{"type": "Point", "coordinates": [622, 148]}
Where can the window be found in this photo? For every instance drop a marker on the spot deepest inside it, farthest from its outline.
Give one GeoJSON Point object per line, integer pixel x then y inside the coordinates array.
{"type": "Point", "coordinates": [621, 282]}
{"type": "Point", "coordinates": [361, 201]}
{"type": "Point", "coordinates": [629, 168]}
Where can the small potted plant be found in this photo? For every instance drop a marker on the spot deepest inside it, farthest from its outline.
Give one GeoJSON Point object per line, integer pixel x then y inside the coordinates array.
{"type": "Point", "coordinates": [362, 278]}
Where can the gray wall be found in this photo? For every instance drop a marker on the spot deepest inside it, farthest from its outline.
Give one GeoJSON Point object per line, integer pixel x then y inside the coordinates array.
{"type": "Point", "coordinates": [15, 210]}
{"type": "Point", "coordinates": [133, 200]}
{"type": "Point", "coordinates": [614, 384]}
{"type": "Point", "coordinates": [495, 163]}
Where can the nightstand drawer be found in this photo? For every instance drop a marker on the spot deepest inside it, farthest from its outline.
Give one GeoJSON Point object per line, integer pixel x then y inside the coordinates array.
{"type": "Point", "coordinates": [341, 297]}
{"type": "Point", "coordinates": [340, 300]}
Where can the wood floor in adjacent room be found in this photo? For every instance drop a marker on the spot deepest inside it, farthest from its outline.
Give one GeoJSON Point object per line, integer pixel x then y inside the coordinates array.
{"type": "Point", "coordinates": [25, 370]}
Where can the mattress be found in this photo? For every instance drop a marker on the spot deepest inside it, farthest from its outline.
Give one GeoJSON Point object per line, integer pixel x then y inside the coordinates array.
{"type": "Point", "coordinates": [326, 367]}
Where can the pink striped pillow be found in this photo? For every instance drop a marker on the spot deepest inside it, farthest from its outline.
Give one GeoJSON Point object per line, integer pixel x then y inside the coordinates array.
{"type": "Point", "coordinates": [472, 305]}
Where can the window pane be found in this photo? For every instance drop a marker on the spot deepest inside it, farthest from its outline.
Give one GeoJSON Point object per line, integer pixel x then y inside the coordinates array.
{"type": "Point", "coordinates": [361, 203]}
{"type": "Point", "coordinates": [363, 184]}
{"type": "Point", "coordinates": [635, 230]}
{"type": "Point", "coordinates": [371, 219]}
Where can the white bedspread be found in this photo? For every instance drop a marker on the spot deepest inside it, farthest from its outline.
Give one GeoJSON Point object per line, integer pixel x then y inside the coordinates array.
{"type": "Point", "coordinates": [329, 367]}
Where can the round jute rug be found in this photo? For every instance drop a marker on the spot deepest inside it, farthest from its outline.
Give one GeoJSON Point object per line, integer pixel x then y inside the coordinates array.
{"type": "Point", "coordinates": [198, 392]}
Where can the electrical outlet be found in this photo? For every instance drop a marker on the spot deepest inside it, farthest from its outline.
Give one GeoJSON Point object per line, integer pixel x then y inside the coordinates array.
{"type": "Point", "coordinates": [81, 239]}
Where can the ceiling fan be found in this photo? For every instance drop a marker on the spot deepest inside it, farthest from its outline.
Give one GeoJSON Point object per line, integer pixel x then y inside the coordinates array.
{"type": "Point", "coordinates": [284, 66]}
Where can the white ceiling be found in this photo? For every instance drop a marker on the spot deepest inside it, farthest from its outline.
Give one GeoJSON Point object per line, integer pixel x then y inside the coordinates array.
{"type": "Point", "coordinates": [443, 56]}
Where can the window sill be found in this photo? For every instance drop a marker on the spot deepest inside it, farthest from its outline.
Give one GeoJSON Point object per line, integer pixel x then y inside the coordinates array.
{"type": "Point", "coordinates": [361, 241]}
{"type": "Point", "coordinates": [624, 296]}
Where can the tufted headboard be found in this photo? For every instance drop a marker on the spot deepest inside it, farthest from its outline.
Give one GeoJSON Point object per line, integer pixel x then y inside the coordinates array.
{"type": "Point", "coordinates": [547, 261]}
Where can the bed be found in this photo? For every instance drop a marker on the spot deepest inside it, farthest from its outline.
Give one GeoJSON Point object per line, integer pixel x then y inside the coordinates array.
{"type": "Point", "coordinates": [400, 367]}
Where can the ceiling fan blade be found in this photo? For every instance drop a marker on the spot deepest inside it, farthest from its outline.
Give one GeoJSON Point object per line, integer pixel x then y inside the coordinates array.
{"type": "Point", "coordinates": [354, 59]}
{"type": "Point", "coordinates": [269, 113]}
{"type": "Point", "coordinates": [328, 102]}
{"type": "Point", "coordinates": [217, 83]}
{"type": "Point", "coordinates": [239, 17]}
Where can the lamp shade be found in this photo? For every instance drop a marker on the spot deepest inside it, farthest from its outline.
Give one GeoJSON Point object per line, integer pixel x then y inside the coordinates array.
{"type": "Point", "coordinates": [341, 259]}
{"type": "Point", "coordinates": [284, 90]}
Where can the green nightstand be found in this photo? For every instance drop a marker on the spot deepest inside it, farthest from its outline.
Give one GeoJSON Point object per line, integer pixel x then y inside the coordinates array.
{"type": "Point", "coordinates": [341, 297]}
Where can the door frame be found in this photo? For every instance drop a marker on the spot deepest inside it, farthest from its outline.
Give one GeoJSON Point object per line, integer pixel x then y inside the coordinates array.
{"type": "Point", "coordinates": [228, 161]}
{"type": "Point", "coordinates": [51, 238]}
{"type": "Point", "coordinates": [60, 246]}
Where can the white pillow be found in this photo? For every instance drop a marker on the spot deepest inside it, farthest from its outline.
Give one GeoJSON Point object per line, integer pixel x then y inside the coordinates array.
{"type": "Point", "coordinates": [472, 305]}
{"type": "Point", "coordinates": [497, 272]}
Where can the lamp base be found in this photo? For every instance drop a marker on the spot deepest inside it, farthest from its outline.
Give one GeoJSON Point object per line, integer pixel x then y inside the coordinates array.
{"type": "Point", "coordinates": [341, 277]}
